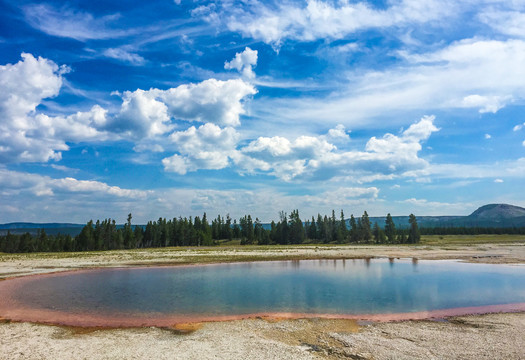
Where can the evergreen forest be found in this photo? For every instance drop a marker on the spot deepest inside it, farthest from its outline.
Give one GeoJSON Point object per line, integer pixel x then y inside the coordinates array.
{"type": "Point", "coordinates": [198, 231]}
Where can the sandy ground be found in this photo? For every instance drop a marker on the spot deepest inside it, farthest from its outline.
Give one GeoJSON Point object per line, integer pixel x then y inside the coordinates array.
{"type": "Point", "coordinates": [492, 336]}
{"type": "Point", "coordinates": [25, 264]}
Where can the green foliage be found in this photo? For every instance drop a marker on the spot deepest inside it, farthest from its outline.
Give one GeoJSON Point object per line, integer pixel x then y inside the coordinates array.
{"type": "Point", "coordinates": [414, 236]}
{"type": "Point", "coordinates": [390, 229]}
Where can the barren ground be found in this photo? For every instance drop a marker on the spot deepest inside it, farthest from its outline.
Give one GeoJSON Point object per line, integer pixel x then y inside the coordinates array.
{"type": "Point", "coordinates": [469, 337]}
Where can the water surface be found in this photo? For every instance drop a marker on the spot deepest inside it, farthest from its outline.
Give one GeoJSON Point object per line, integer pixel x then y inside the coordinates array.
{"type": "Point", "coordinates": [374, 286]}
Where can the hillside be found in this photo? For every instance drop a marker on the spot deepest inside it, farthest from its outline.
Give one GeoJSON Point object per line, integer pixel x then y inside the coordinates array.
{"type": "Point", "coordinates": [498, 211]}
{"type": "Point", "coordinates": [492, 215]}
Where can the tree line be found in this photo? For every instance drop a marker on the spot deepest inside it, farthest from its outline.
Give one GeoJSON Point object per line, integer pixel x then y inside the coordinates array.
{"type": "Point", "coordinates": [198, 231]}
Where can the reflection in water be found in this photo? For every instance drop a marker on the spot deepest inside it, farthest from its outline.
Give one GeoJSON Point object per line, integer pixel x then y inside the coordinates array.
{"type": "Point", "coordinates": [414, 263]}
{"type": "Point", "coordinates": [309, 286]}
{"type": "Point", "coordinates": [391, 261]}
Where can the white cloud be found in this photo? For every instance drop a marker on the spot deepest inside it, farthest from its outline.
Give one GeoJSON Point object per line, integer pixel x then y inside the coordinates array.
{"type": "Point", "coordinates": [243, 63]}
{"type": "Point", "coordinates": [141, 115]}
{"type": "Point", "coordinates": [145, 115]}
{"type": "Point", "coordinates": [275, 146]}
{"type": "Point", "coordinates": [315, 157]}
{"type": "Point", "coordinates": [206, 147]}
{"type": "Point", "coordinates": [337, 134]}
{"type": "Point", "coordinates": [63, 168]}
{"type": "Point", "coordinates": [263, 202]}
{"type": "Point", "coordinates": [501, 169]}
{"type": "Point", "coordinates": [81, 126]}
{"type": "Point", "coordinates": [480, 74]}
{"type": "Point", "coordinates": [322, 19]}
{"type": "Point", "coordinates": [506, 22]}
{"type": "Point", "coordinates": [92, 187]}
{"type": "Point", "coordinates": [26, 134]}
{"type": "Point", "coordinates": [70, 23]}
{"type": "Point", "coordinates": [124, 55]}
{"type": "Point", "coordinates": [26, 83]}
{"type": "Point", "coordinates": [488, 136]}
{"type": "Point", "coordinates": [149, 113]}
{"type": "Point", "coordinates": [34, 197]}
{"type": "Point", "coordinates": [518, 127]}
{"type": "Point", "coordinates": [17, 183]}
{"type": "Point", "coordinates": [212, 100]}
{"type": "Point", "coordinates": [498, 181]}
{"type": "Point", "coordinates": [486, 103]}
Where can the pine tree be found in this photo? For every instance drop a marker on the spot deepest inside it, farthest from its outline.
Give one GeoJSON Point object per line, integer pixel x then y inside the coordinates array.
{"type": "Point", "coordinates": [129, 242]}
{"type": "Point", "coordinates": [366, 228]}
{"type": "Point", "coordinates": [342, 231]}
{"type": "Point", "coordinates": [354, 233]}
{"type": "Point", "coordinates": [414, 235]}
{"type": "Point", "coordinates": [390, 229]}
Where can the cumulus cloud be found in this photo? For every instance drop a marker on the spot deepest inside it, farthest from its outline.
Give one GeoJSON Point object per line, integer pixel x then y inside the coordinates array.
{"type": "Point", "coordinates": [338, 134]}
{"type": "Point", "coordinates": [141, 115]}
{"type": "Point", "coordinates": [26, 83]}
{"type": "Point", "coordinates": [26, 134]}
{"type": "Point", "coordinates": [16, 183]}
{"type": "Point", "coordinates": [486, 103]}
{"type": "Point", "coordinates": [206, 147]}
{"type": "Point", "coordinates": [243, 62]}
{"type": "Point", "coordinates": [38, 198]}
{"type": "Point", "coordinates": [150, 112]}
{"type": "Point", "coordinates": [273, 23]}
{"type": "Point", "coordinates": [488, 136]}
{"type": "Point", "coordinates": [29, 135]}
{"type": "Point", "coordinates": [498, 181]}
{"type": "Point", "coordinates": [212, 100]}
{"type": "Point", "coordinates": [315, 157]}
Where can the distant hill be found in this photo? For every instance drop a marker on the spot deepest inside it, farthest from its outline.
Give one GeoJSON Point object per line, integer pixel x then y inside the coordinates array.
{"type": "Point", "coordinates": [492, 215]}
{"type": "Point", "coordinates": [498, 211]}
{"type": "Point", "coordinates": [28, 225]}
{"type": "Point", "coordinates": [33, 228]}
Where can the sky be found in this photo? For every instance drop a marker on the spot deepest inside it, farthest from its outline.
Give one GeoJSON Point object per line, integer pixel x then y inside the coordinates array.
{"type": "Point", "coordinates": [168, 108]}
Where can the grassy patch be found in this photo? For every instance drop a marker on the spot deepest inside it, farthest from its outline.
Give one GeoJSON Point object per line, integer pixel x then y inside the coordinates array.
{"type": "Point", "coordinates": [471, 239]}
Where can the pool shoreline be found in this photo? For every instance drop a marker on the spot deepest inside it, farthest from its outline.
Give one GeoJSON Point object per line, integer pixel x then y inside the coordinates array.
{"type": "Point", "coordinates": [13, 310]}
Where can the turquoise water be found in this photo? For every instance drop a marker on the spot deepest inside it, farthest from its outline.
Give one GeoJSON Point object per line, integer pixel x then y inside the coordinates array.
{"type": "Point", "coordinates": [306, 286]}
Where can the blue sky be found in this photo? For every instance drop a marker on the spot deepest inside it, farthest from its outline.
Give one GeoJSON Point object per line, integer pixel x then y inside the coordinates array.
{"type": "Point", "coordinates": [172, 108]}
